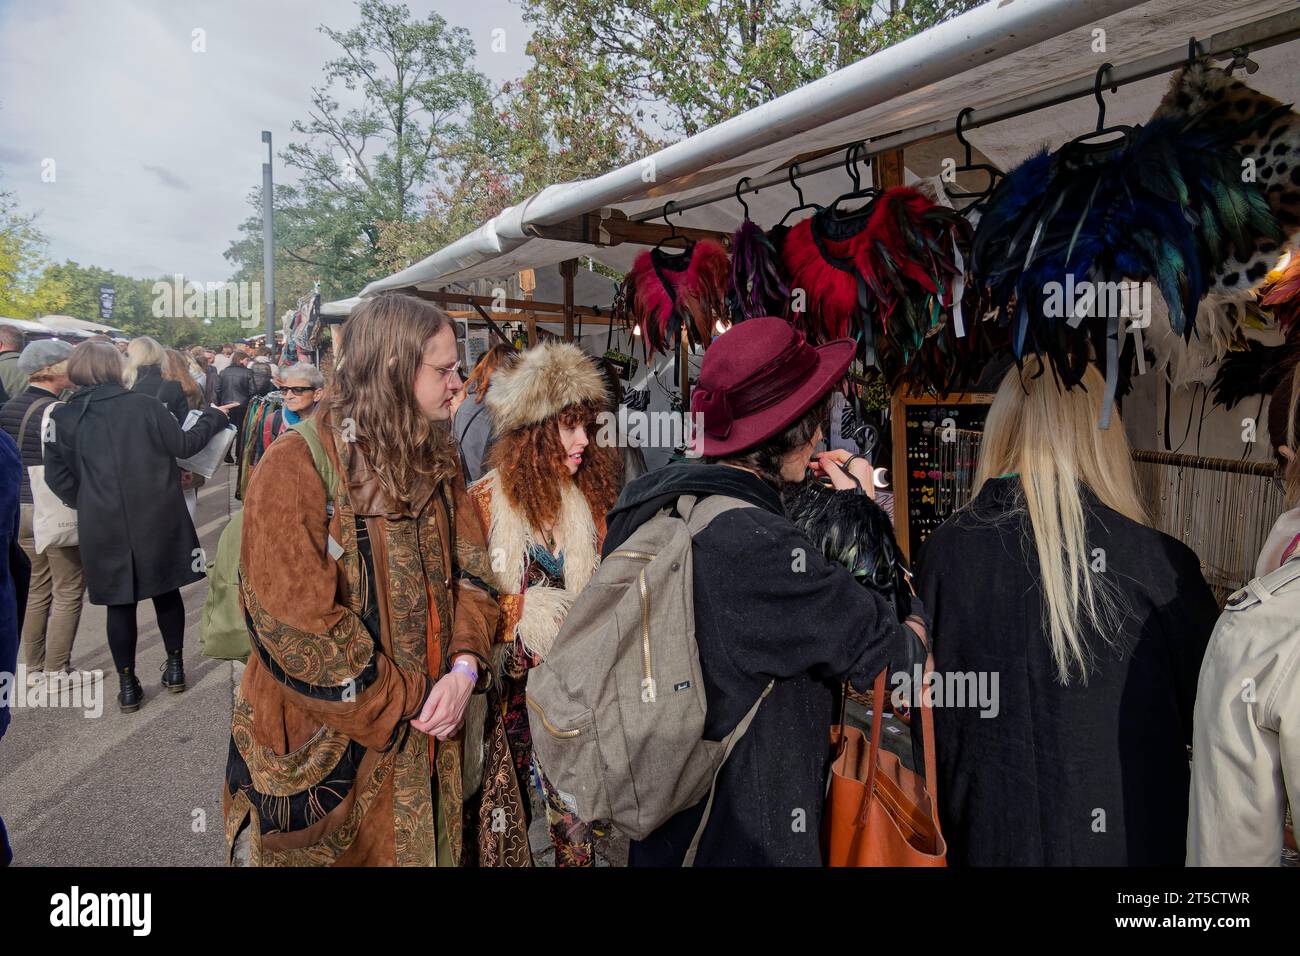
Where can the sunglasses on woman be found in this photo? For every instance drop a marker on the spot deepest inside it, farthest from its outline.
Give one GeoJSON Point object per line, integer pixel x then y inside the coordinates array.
{"type": "Point", "coordinates": [299, 389]}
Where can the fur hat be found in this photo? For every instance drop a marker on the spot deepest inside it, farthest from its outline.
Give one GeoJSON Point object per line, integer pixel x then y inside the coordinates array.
{"type": "Point", "coordinates": [543, 382]}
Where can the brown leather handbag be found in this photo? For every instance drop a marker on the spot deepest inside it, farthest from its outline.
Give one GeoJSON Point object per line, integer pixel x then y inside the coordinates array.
{"type": "Point", "coordinates": [879, 813]}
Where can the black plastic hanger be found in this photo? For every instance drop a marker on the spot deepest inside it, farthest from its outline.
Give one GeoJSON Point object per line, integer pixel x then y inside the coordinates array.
{"type": "Point", "coordinates": [1090, 141]}
{"type": "Point", "coordinates": [858, 192]}
{"type": "Point", "coordinates": [743, 205]}
{"type": "Point", "coordinates": [669, 238]}
{"type": "Point", "coordinates": [794, 168]}
{"type": "Point", "coordinates": [994, 173]}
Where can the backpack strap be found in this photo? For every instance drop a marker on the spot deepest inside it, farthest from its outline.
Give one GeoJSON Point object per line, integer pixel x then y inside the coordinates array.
{"type": "Point", "coordinates": [732, 739]}
{"type": "Point", "coordinates": [698, 514]}
{"type": "Point", "coordinates": [324, 467]}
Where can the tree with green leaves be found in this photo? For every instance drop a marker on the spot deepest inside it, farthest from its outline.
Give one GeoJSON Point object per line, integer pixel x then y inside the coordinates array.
{"type": "Point", "coordinates": [680, 66]}
{"type": "Point", "coordinates": [25, 291]}
{"type": "Point", "coordinates": [382, 131]}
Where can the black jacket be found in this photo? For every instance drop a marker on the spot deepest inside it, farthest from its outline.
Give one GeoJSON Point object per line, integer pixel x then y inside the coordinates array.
{"type": "Point", "coordinates": [767, 605]}
{"type": "Point", "coordinates": [1091, 774]}
{"type": "Point", "coordinates": [113, 458]}
{"type": "Point", "coordinates": [29, 443]}
{"type": "Point", "coordinates": [235, 385]}
{"type": "Point", "coordinates": [149, 381]}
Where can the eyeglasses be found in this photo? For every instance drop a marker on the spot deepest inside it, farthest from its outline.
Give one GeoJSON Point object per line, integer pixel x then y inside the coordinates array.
{"type": "Point", "coordinates": [458, 370]}
{"type": "Point", "coordinates": [299, 389]}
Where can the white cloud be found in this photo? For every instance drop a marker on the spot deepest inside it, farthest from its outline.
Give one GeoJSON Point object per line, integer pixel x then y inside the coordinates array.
{"type": "Point", "coordinates": [155, 146]}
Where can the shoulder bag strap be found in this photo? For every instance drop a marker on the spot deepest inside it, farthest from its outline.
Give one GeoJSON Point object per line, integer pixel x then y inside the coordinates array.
{"type": "Point", "coordinates": [324, 467]}
{"type": "Point", "coordinates": [27, 417]}
{"type": "Point", "coordinates": [732, 739]}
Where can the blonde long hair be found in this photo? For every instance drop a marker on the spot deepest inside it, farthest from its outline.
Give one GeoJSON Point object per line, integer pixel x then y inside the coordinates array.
{"type": "Point", "coordinates": [142, 352]}
{"type": "Point", "coordinates": [1049, 436]}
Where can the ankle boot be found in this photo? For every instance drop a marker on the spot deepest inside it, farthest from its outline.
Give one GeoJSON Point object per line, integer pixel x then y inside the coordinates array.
{"type": "Point", "coordinates": [131, 696]}
{"type": "Point", "coordinates": [174, 673]}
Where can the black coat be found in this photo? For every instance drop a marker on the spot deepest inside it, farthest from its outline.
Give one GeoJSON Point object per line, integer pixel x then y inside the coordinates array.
{"type": "Point", "coordinates": [235, 384]}
{"type": "Point", "coordinates": [113, 458]}
{"type": "Point", "coordinates": [29, 442]}
{"type": "Point", "coordinates": [809, 627]}
{"type": "Point", "coordinates": [149, 381]}
{"type": "Point", "coordinates": [1029, 786]}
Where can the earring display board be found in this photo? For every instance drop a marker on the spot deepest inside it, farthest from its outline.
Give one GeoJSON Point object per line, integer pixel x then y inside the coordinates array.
{"type": "Point", "coordinates": [936, 439]}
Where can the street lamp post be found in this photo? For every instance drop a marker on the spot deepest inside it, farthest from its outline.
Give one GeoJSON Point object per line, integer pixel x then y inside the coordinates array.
{"type": "Point", "coordinates": [268, 243]}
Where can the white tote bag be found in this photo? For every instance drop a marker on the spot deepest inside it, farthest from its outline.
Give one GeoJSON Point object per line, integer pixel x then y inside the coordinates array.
{"type": "Point", "coordinates": [207, 460]}
{"type": "Point", "coordinates": [53, 522]}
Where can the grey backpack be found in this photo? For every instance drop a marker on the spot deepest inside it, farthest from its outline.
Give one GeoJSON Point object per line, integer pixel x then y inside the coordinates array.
{"type": "Point", "coordinates": [617, 707]}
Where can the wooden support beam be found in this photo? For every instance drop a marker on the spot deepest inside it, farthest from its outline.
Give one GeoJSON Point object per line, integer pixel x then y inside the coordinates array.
{"type": "Point", "coordinates": [527, 285]}
{"type": "Point", "coordinates": [555, 309]}
{"type": "Point", "coordinates": [568, 269]}
{"type": "Point", "coordinates": [615, 228]}
{"type": "Point", "coordinates": [887, 169]}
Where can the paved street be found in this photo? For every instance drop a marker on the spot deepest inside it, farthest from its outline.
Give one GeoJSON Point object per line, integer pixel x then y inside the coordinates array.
{"type": "Point", "coordinates": [143, 789]}
{"type": "Point", "coordinates": [138, 789]}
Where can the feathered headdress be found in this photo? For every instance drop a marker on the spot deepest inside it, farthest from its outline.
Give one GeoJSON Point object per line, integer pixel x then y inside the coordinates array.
{"type": "Point", "coordinates": [543, 381]}
{"type": "Point", "coordinates": [757, 287]}
{"type": "Point", "coordinates": [1266, 137]}
{"type": "Point", "coordinates": [1166, 204]}
{"type": "Point", "coordinates": [1255, 370]}
{"type": "Point", "coordinates": [887, 275]}
{"type": "Point", "coordinates": [1282, 295]}
{"type": "Point", "coordinates": [666, 293]}
{"type": "Point", "coordinates": [852, 530]}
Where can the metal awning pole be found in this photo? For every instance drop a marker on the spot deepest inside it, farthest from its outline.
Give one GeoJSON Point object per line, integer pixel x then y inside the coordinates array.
{"type": "Point", "coordinates": [1259, 35]}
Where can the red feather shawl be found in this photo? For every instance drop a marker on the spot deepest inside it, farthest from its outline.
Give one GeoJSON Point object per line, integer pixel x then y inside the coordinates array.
{"type": "Point", "coordinates": [665, 292]}
{"type": "Point", "coordinates": [886, 277]}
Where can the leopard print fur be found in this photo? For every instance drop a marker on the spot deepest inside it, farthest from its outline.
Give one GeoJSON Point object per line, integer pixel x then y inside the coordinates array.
{"type": "Point", "coordinates": [1207, 92]}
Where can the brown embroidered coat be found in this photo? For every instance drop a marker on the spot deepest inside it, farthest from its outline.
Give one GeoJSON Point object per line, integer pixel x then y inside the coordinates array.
{"type": "Point", "coordinates": [353, 616]}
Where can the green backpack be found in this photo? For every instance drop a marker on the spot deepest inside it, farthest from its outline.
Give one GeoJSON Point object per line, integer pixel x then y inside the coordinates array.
{"type": "Point", "coordinates": [224, 631]}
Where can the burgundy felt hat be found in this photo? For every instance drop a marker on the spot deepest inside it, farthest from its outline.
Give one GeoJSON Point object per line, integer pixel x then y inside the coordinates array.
{"type": "Point", "coordinates": [758, 378]}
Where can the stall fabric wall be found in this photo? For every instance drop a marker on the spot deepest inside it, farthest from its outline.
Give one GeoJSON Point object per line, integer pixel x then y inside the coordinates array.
{"type": "Point", "coordinates": [657, 379]}
{"type": "Point", "coordinates": [1196, 425]}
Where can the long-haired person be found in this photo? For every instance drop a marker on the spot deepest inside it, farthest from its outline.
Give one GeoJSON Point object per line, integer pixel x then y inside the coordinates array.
{"type": "Point", "coordinates": [371, 622]}
{"type": "Point", "coordinates": [180, 368]}
{"type": "Point", "coordinates": [57, 584]}
{"type": "Point", "coordinates": [207, 375]}
{"type": "Point", "coordinates": [768, 607]}
{"type": "Point", "coordinates": [112, 456]}
{"type": "Point", "coordinates": [472, 424]}
{"type": "Point", "coordinates": [1084, 626]}
{"type": "Point", "coordinates": [144, 373]}
{"type": "Point", "coordinates": [1246, 749]}
{"type": "Point", "coordinates": [543, 504]}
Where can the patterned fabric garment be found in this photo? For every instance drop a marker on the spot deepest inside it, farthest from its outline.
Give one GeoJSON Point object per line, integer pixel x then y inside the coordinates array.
{"type": "Point", "coordinates": [570, 837]}
{"type": "Point", "coordinates": [351, 622]}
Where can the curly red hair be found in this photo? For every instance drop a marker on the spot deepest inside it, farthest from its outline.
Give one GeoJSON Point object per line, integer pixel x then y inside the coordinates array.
{"type": "Point", "coordinates": [530, 464]}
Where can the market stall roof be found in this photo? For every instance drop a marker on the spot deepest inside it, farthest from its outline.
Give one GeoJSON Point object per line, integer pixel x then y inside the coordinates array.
{"type": "Point", "coordinates": [67, 322]}
{"type": "Point", "coordinates": [1001, 51]}
{"type": "Point", "coordinates": [339, 307]}
{"type": "Point", "coordinates": [28, 326]}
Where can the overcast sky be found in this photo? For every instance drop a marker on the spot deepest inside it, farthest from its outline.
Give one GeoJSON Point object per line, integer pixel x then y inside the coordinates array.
{"type": "Point", "coordinates": [156, 147]}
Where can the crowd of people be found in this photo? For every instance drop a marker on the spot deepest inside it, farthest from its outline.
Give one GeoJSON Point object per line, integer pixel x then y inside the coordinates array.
{"type": "Point", "coordinates": [467, 519]}
{"type": "Point", "coordinates": [414, 542]}
{"type": "Point", "coordinates": [104, 423]}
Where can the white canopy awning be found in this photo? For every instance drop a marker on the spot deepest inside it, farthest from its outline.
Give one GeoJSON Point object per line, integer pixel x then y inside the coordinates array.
{"type": "Point", "coordinates": [67, 322]}
{"type": "Point", "coordinates": [1000, 51]}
